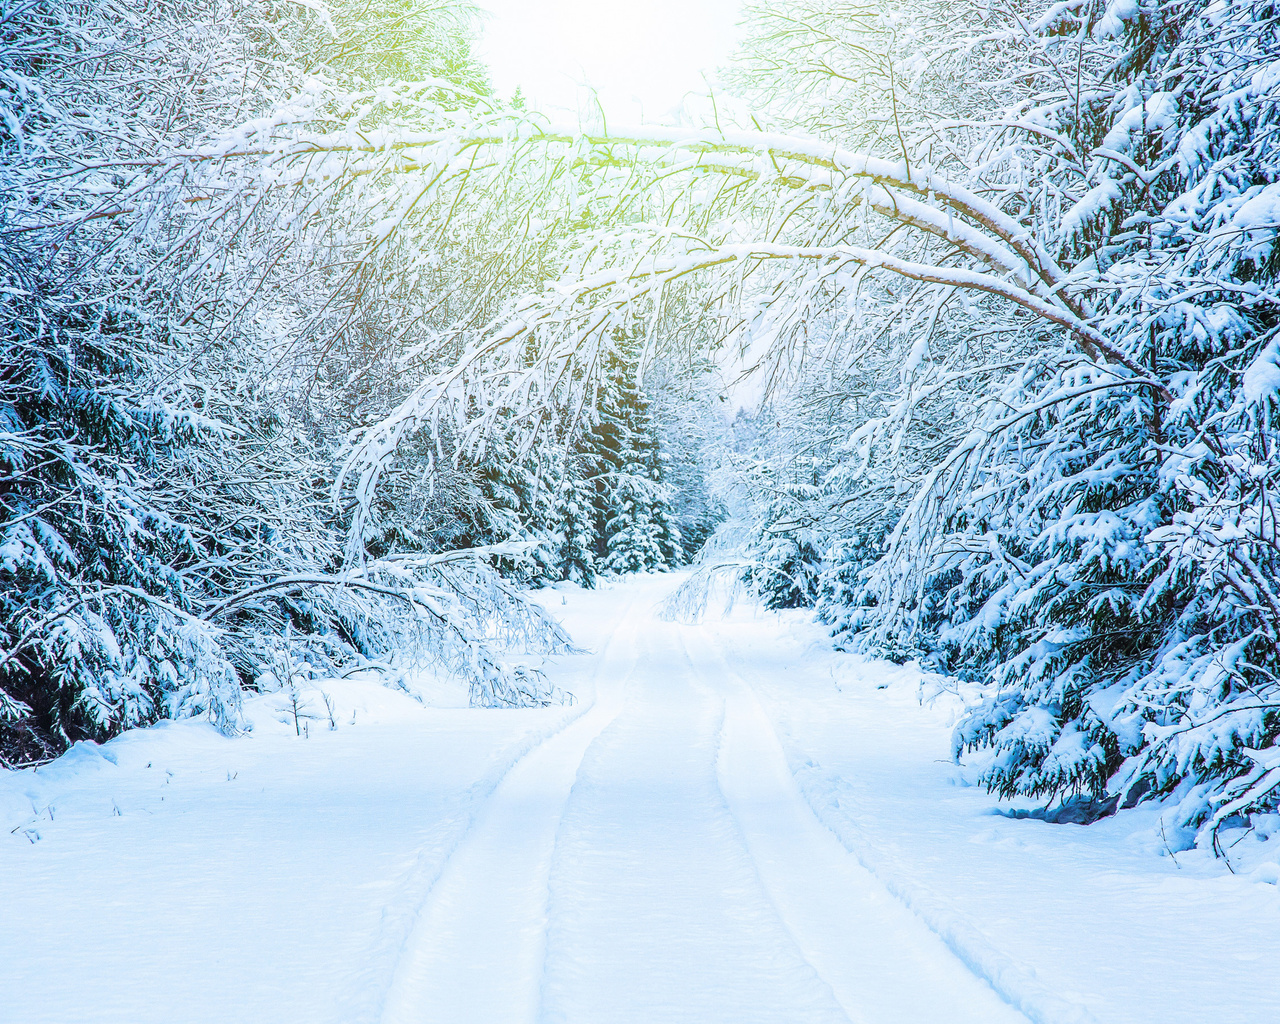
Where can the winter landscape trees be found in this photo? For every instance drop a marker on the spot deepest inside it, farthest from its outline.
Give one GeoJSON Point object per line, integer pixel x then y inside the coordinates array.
{"type": "Point", "coordinates": [172, 412]}
{"type": "Point", "coordinates": [305, 329]}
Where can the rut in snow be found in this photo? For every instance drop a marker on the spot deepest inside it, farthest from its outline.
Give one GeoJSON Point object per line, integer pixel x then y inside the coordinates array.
{"type": "Point", "coordinates": [655, 861]}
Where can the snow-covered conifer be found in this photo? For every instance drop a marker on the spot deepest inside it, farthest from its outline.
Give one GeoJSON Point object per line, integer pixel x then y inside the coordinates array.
{"type": "Point", "coordinates": [635, 530]}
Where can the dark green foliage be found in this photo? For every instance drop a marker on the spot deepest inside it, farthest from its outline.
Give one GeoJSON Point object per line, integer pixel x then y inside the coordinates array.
{"type": "Point", "coordinates": [572, 553]}
{"type": "Point", "coordinates": [98, 630]}
{"type": "Point", "coordinates": [634, 524]}
{"type": "Point", "coordinates": [787, 574]}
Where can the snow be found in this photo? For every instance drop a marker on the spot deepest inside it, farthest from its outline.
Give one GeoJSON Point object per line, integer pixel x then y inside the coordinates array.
{"type": "Point", "coordinates": [1257, 221]}
{"type": "Point", "coordinates": [734, 823]}
{"type": "Point", "coordinates": [1116, 14]}
{"type": "Point", "coordinates": [175, 874]}
{"type": "Point", "coordinates": [1158, 113]}
{"type": "Point", "coordinates": [1098, 200]}
{"type": "Point", "coordinates": [1261, 380]}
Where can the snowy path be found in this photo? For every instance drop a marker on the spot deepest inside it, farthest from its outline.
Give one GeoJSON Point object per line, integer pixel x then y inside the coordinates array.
{"type": "Point", "coordinates": [476, 950]}
{"type": "Point", "coordinates": [880, 959]}
{"type": "Point", "coordinates": [721, 830]}
{"type": "Point", "coordinates": [656, 862]}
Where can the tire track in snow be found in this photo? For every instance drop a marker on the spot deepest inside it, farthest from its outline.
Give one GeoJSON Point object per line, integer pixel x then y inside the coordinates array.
{"type": "Point", "coordinates": [882, 961]}
{"type": "Point", "coordinates": [657, 912]}
{"type": "Point", "coordinates": [1016, 983]}
{"type": "Point", "coordinates": [402, 911]}
{"type": "Point", "coordinates": [474, 954]}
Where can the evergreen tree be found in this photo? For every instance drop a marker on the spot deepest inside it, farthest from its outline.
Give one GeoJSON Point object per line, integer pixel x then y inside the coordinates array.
{"type": "Point", "coordinates": [169, 417]}
{"type": "Point", "coordinates": [635, 530]}
{"type": "Point", "coordinates": [784, 547]}
{"type": "Point", "coordinates": [574, 533]}
{"type": "Point", "coordinates": [1100, 549]}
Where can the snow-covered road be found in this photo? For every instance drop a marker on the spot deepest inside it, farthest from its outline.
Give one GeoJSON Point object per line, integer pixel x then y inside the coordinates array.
{"type": "Point", "coordinates": [655, 861]}
{"type": "Point", "coordinates": [669, 849]}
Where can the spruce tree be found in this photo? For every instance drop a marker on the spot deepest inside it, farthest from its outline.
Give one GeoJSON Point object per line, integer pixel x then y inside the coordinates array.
{"type": "Point", "coordinates": [635, 528]}
{"type": "Point", "coordinates": [573, 536]}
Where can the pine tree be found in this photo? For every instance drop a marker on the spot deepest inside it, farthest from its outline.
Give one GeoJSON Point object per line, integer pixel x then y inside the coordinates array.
{"type": "Point", "coordinates": [635, 529]}
{"type": "Point", "coordinates": [99, 630]}
{"type": "Point", "coordinates": [1106, 555]}
{"type": "Point", "coordinates": [169, 414]}
{"type": "Point", "coordinates": [574, 531]}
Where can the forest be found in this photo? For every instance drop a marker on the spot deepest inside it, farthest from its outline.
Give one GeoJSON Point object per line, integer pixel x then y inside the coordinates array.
{"type": "Point", "coordinates": [955, 321]}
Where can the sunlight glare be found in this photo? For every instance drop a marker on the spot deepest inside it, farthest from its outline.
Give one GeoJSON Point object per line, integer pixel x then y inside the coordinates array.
{"type": "Point", "coordinates": [642, 58]}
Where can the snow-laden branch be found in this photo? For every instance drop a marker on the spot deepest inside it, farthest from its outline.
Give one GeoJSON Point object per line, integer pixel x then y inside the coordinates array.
{"type": "Point", "coordinates": [910, 194]}
{"type": "Point", "coordinates": [591, 302]}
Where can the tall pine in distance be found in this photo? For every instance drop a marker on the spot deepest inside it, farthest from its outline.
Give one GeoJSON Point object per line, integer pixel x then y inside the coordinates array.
{"type": "Point", "coordinates": [635, 529]}
{"type": "Point", "coordinates": [613, 503]}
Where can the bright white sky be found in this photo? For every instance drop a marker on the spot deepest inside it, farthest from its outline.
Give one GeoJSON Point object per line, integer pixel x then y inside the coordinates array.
{"type": "Point", "coordinates": [641, 56]}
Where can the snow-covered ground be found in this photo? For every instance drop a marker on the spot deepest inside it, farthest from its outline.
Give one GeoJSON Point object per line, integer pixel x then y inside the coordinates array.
{"type": "Point", "coordinates": [732, 824]}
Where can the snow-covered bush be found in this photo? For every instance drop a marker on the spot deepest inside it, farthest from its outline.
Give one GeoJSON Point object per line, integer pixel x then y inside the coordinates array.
{"type": "Point", "coordinates": [184, 362]}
